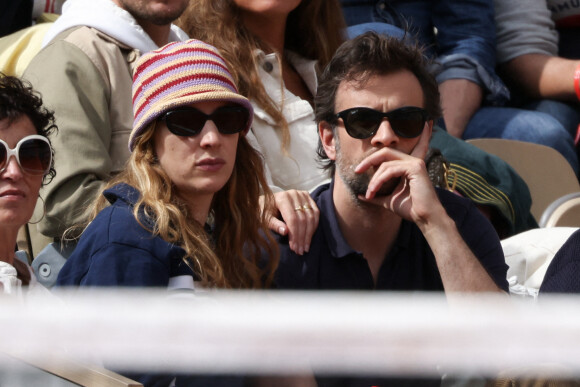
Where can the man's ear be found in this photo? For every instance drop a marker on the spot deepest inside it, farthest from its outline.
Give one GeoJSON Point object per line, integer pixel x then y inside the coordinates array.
{"type": "Point", "coordinates": [327, 139]}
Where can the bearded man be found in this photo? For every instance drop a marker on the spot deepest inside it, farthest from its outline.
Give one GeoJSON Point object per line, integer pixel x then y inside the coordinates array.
{"type": "Point", "coordinates": [382, 223]}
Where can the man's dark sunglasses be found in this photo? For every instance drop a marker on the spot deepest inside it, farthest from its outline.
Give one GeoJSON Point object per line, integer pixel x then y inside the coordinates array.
{"type": "Point", "coordinates": [361, 122]}
{"type": "Point", "coordinates": [189, 121]}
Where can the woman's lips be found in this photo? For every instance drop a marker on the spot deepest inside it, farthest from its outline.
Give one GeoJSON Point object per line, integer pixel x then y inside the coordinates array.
{"type": "Point", "coordinates": [12, 194]}
{"type": "Point", "coordinates": [210, 164]}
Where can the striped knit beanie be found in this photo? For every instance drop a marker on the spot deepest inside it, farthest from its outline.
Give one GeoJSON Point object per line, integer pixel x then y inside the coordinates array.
{"type": "Point", "coordinates": [179, 74]}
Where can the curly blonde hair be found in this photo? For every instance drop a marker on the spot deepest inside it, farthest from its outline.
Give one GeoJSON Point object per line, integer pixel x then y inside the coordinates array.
{"type": "Point", "coordinates": [314, 30]}
{"type": "Point", "coordinates": [233, 258]}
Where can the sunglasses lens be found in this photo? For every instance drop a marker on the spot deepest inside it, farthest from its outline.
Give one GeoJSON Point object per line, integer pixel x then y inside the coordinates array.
{"type": "Point", "coordinates": [408, 124]}
{"type": "Point", "coordinates": [190, 122]}
{"type": "Point", "coordinates": [231, 119]}
{"type": "Point", "coordinates": [185, 122]}
{"type": "Point", "coordinates": [3, 156]}
{"type": "Point", "coordinates": [362, 123]}
{"type": "Point", "coordinates": [35, 156]}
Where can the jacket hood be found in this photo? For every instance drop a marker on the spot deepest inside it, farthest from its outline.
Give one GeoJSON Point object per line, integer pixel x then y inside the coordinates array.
{"type": "Point", "coordinates": [124, 192]}
{"type": "Point", "coordinates": [106, 16]}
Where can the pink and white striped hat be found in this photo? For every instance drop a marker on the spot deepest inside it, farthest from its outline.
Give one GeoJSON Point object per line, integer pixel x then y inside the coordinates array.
{"type": "Point", "coordinates": [179, 74]}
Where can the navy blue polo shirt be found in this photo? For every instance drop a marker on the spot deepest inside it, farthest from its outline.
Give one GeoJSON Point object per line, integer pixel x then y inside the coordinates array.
{"type": "Point", "coordinates": [332, 264]}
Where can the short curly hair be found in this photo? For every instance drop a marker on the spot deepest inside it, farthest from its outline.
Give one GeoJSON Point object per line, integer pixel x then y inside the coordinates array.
{"type": "Point", "coordinates": [18, 98]}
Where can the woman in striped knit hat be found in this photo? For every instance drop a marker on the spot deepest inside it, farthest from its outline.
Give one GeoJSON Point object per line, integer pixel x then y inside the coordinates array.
{"type": "Point", "coordinates": [186, 204]}
{"type": "Point", "coordinates": [184, 213]}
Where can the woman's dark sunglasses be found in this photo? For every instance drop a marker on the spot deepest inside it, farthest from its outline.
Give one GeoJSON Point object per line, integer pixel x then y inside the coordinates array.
{"type": "Point", "coordinates": [189, 121]}
{"type": "Point", "coordinates": [361, 122]}
{"type": "Point", "coordinates": [33, 154]}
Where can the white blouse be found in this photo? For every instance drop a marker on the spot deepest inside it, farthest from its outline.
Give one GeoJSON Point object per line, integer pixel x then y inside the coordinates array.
{"type": "Point", "coordinates": [298, 169]}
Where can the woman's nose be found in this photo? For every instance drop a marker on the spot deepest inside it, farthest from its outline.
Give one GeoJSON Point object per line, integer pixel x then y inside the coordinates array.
{"type": "Point", "coordinates": [12, 170]}
{"type": "Point", "coordinates": [210, 135]}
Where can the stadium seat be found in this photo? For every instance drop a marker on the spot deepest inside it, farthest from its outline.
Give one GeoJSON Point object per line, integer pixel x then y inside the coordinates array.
{"type": "Point", "coordinates": [545, 171]}
{"type": "Point", "coordinates": [562, 212]}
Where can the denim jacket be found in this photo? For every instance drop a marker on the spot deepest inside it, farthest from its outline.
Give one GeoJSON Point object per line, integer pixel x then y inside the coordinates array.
{"type": "Point", "coordinates": [458, 34]}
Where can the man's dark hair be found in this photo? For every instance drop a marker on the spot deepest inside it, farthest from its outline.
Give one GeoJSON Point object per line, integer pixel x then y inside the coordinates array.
{"type": "Point", "coordinates": [361, 58]}
{"type": "Point", "coordinates": [17, 98]}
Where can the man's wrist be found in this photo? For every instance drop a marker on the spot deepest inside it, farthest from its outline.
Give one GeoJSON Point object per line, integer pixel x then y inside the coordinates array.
{"type": "Point", "coordinates": [436, 220]}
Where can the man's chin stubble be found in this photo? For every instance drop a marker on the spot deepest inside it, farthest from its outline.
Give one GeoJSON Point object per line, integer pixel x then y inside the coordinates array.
{"type": "Point", "coordinates": [359, 183]}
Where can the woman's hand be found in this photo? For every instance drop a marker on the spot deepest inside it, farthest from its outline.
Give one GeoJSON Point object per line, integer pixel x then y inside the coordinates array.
{"type": "Point", "coordinates": [296, 215]}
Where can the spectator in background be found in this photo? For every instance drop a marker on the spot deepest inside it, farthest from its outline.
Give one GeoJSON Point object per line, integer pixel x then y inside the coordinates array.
{"type": "Point", "coordinates": [46, 6]}
{"type": "Point", "coordinates": [566, 15]}
{"type": "Point", "coordinates": [460, 35]}
{"type": "Point", "coordinates": [18, 48]}
{"type": "Point", "coordinates": [536, 59]}
{"type": "Point", "coordinates": [184, 213]}
{"type": "Point", "coordinates": [275, 50]}
{"type": "Point", "coordinates": [25, 165]}
{"type": "Point", "coordinates": [15, 15]}
{"type": "Point", "coordinates": [84, 74]}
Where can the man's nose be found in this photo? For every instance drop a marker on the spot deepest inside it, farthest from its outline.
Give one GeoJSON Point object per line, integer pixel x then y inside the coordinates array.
{"type": "Point", "coordinates": [385, 135]}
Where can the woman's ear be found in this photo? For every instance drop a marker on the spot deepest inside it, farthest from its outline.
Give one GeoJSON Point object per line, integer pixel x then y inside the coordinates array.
{"type": "Point", "coordinates": [326, 134]}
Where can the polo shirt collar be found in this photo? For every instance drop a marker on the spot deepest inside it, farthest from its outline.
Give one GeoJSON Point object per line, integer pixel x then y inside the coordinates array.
{"type": "Point", "coordinates": [336, 243]}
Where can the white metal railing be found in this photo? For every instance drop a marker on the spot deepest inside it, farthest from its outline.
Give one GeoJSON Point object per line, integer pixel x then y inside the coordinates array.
{"type": "Point", "coordinates": [296, 332]}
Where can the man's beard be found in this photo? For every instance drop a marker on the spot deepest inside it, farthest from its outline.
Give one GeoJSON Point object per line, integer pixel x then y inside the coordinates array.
{"type": "Point", "coordinates": [358, 183]}
{"type": "Point", "coordinates": [141, 13]}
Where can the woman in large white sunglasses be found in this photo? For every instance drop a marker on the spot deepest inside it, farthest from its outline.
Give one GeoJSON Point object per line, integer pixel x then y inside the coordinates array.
{"type": "Point", "coordinates": [25, 165]}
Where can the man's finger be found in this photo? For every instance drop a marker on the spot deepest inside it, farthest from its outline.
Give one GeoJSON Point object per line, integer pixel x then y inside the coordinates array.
{"type": "Point", "coordinates": [379, 157]}
{"type": "Point", "coordinates": [422, 147]}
